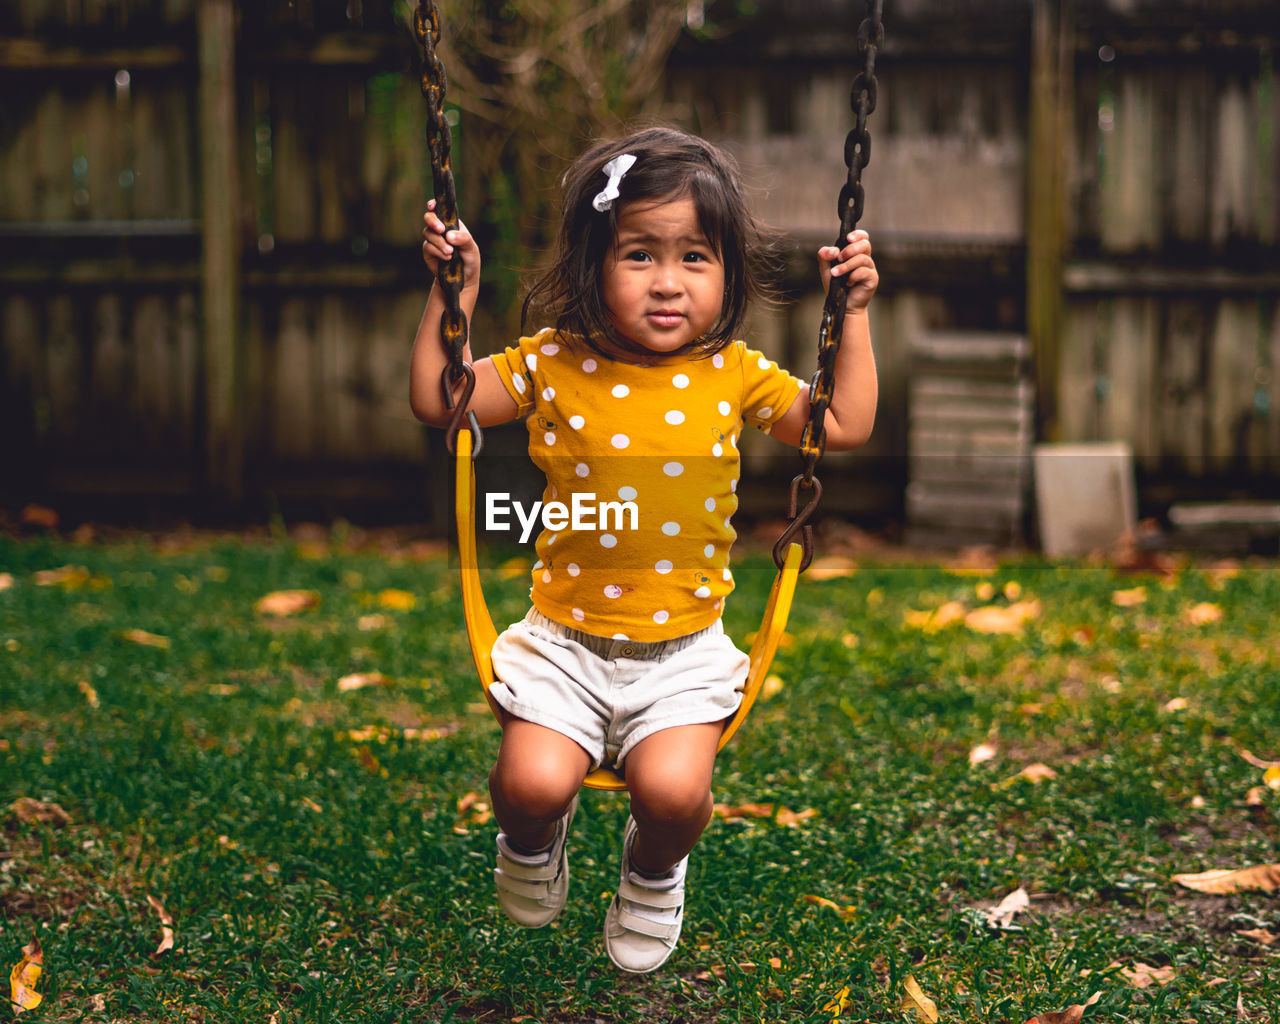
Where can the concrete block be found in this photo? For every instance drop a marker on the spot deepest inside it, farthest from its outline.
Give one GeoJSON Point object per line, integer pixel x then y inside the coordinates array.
{"type": "Point", "coordinates": [1085, 495]}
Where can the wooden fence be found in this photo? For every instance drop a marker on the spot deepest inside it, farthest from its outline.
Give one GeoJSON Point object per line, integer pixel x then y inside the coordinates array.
{"type": "Point", "coordinates": [210, 314]}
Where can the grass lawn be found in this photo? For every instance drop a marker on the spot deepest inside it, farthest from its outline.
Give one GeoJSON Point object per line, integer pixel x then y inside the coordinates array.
{"type": "Point", "coordinates": [303, 797]}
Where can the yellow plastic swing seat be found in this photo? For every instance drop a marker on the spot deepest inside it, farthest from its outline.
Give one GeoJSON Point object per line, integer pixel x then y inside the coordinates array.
{"type": "Point", "coordinates": [482, 634]}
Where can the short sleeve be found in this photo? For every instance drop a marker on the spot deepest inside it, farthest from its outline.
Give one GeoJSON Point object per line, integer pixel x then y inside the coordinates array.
{"type": "Point", "coordinates": [517, 367]}
{"type": "Point", "coordinates": [767, 390]}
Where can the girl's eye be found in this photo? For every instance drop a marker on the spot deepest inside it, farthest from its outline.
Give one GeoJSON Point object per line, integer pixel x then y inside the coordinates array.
{"type": "Point", "coordinates": [695, 257]}
{"type": "Point", "coordinates": [639, 255]}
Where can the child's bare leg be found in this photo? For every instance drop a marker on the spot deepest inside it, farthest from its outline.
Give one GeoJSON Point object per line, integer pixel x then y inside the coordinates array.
{"type": "Point", "coordinates": [669, 778]}
{"type": "Point", "coordinates": [537, 775]}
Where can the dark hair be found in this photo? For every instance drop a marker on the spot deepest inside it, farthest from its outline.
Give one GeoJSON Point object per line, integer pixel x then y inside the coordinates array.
{"type": "Point", "coordinates": [670, 164]}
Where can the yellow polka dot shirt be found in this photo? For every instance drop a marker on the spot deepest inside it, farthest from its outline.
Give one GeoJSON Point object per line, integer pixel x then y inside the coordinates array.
{"type": "Point", "coordinates": [642, 472]}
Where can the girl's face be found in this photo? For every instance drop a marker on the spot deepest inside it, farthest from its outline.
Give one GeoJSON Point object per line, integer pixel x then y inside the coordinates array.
{"type": "Point", "coordinates": [663, 284]}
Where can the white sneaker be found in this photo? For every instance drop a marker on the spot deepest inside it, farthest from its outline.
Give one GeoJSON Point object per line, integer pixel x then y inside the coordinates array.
{"type": "Point", "coordinates": [532, 889]}
{"type": "Point", "coordinates": [642, 924]}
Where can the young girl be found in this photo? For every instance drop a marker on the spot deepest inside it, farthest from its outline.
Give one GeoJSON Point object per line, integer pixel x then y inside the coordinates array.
{"type": "Point", "coordinates": [636, 397]}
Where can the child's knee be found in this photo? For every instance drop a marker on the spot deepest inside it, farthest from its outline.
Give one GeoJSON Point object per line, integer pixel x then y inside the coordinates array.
{"type": "Point", "coordinates": [670, 800]}
{"type": "Point", "coordinates": [538, 795]}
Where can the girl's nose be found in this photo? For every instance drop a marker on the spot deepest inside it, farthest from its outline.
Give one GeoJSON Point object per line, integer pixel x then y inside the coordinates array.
{"type": "Point", "coordinates": [665, 280]}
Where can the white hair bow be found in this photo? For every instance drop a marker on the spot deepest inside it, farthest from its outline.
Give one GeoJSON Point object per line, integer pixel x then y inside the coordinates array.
{"type": "Point", "coordinates": [615, 169]}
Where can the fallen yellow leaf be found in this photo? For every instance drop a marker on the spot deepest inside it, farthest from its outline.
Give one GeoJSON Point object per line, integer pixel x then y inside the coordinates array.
{"type": "Point", "coordinates": [915, 1001]}
{"type": "Point", "coordinates": [166, 926]}
{"type": "Point", "coordinates": [845, 913]}
{"type": "Point", "coordinates": [145, 639]}
{"type": "Point", "coordinates": [472, 810]}
{"type": "Point", "coordinates": [6, 580]}
{"type": "Point", "coordinates": [982, 752]}
{"type": "Point", "coordinates": [839, 1004]}
{"type": "Point", "coordinates": [771, 687]}
{"type": "Point", "coordinates": [831, 567]}
{"type": "Point", "coordinates": [1129, 598]}
{"type": "Point", "coordinates": [281, 603]}
{"type": "Point", "coordinates": [90, 694]}
{"type": "Point", "coordinates": [741, 812]}
{"type": "Point", "coordinates": [940, 618]}
{"type": "Point", "coordinates": [23, 978]}
{"type": "Point", "coordinates": [1259, 935]}
{"type": "Point", "coordinates": [1176, 704]}
{"type": "Point", "coordinates": [1271, 777]}
{"type": "Point", "coordinates": [1142, 975]}
{"type": "Point", "coordinates": [1203, 614]}
{"type": "Point", "coordinates": [1224, 881]}
{"type": "Point", "coordinates": [398, 600]}
{"type": "Point", "coordinates": [1037, 772]}
{"type": "Point", "coordinates": [359, 680]}
{"type": "Point", "coordinates": [69, 576]}
{"type": "Point", "coordinates": [994, 618]}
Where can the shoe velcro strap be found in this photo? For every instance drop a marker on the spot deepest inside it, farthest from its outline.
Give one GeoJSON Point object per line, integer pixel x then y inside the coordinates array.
{"type": "Point", "coordinates": [538, 891]}
{"type": "Point", "coordinates": [632, 922]}
{"type": "Point", "coordinates": [528, 872]}
{"type": "Point", "coordinates": [658, 899]}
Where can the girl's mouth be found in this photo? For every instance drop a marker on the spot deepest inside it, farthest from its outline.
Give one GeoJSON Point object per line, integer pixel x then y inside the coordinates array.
{"type": "Point", "coordinates": [666, 318]}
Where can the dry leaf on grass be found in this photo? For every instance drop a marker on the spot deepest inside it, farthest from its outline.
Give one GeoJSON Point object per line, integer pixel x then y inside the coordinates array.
{"type": "Point", "coordinates": [1203, 614]}
{"type": "Point", "coordinates": [69, 576]}
{"type": "Point", "coordinates": [784, 816]}
{"type": "Point", "coordinates": [1071, 1015]}
{"type": "Point", "coordinates": [839, 1004]}
{"type": "Point", "coordinates": [831, 567]}
{"type": "Point", "coordinates": [845, 913]}
{"type": "Point", "coordinates": [33, 812]}
{"type": "Point", "coordinates": [1129, 598]}
{"type": "Point", "coordinates": [949, 614]}
{"type": "Point", "coordinates": [1001, 916]}
{"type": "Point", "coordinates": [23, 978]}
{"type": "Point", "coordinates": [1271, 777]}
{"type": "Point", "coordinates": [472, 810]}
{"type": "Point", "coordinates": [915, 1001]}
{"type": "Point", "coordinates": [144, 639]}
{"type": "Point", "coordinates": [982, 752]}
{"type": "Point", "coordinates": [398, 600]}
{"type": "Point", "coordinates": [90, 694]}
{"type": "Point", "coordinates": [1142, 975]}
{"type": "Point", "coordinates": [281, 603]}
{"type": "Point", "coordinates": [166, 926]}
{"type": "Point", "coordinates": [1225, 881]}
{"type": "Point", "coordinates": [1008, 619]}
{"type": "Point", "coordinates": [1258, 762]}
{"type": "Point", "coordinates": [1033, 773]}
{"type": "Point", "coordinates": [6, 580]}
{"type": "Point", "coordinates": [1261, 936]}
{"type": "Point", "coordinates": [359, 680]}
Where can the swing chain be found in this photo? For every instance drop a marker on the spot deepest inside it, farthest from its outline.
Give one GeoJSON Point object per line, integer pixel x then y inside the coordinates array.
{"type": "Point", "coordinates": [857, 154]}
{"type": "Point", "coordinates": [453, 322]}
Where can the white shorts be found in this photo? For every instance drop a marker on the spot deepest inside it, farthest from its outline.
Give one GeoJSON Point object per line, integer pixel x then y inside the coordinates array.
{"type": "Point", "coordinates": [607, 695]}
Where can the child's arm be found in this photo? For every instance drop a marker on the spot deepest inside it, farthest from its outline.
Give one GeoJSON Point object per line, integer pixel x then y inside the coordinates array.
{"type": "Point", "coordinates": [852, 412]}
{"type": "Point", "coordinates": [490, 401]}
